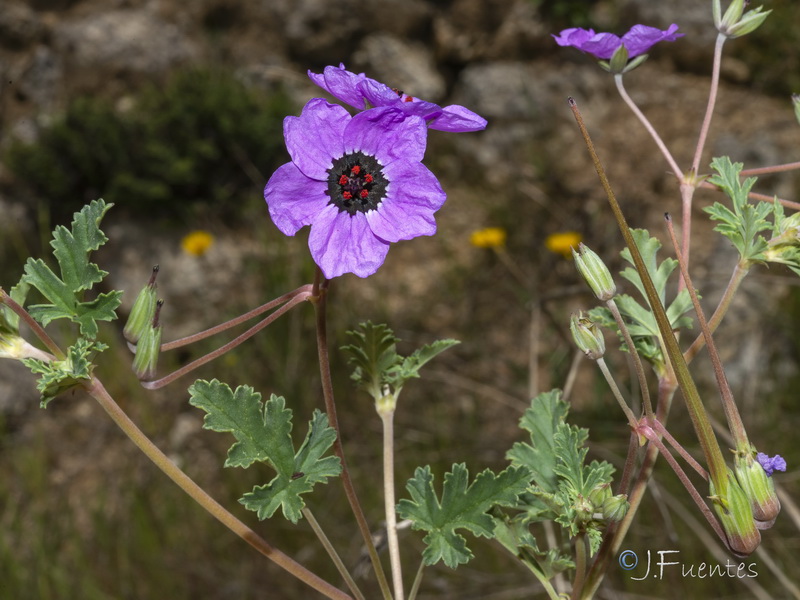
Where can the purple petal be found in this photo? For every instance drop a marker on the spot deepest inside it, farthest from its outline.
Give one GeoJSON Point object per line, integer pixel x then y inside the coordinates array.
{"type": "Point", "coordinates": [413, 195]}
{"type": "Point", "coordinates": [294, 200]}
{"type": "Point", "coordinates": [341, 243]}
{"type": "Point", "coordinates": [377, 93]}
{"type": "Point", "coordinates": [342, 84]}
{"type": "Point", "coordinates": [641, 38]}
{"type": "Point", "coordinates": [315, 137]}
{"type": "Point", "coordinates": [771, 464]}
{"type": "Point", "coordinates": [574, 37]}
{"type": "Point", "coordinates": [457, 119]}
{"type": "Point", "coordinates": [387, 134]}
{"type": "Point", "coordinates": [602, 45]}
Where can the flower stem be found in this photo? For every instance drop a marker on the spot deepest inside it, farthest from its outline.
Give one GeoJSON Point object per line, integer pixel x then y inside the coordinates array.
{"type": "Point", "coordinates": [676, 170]}
{"type": "Point", "coordinates": [771, 169]}
{"type": "Point", "coordinates": [712, 100]}
{"type": "Point", "coordinates": [735, 423]}
{"type": "Point", "coordinates": [166, 380]}
{"type": "Point", "coordinates": [337, 560]}
{"type": "Point", "coordinates": [637, 361]}
{"type": "Point", "coordinates": [738, 275]}
{"type": "Point", "coordinates": [417, 581]}
{"type": "Point", "coordinates": [37, 329]}
{"type": "Point", "coordinates": [580, 565]}
{"type": "Point", "coordinates": [303, 290]}
{"type": "Point", "coordinates": [320, 301]}
{"type": "Point", "coordinates": [617, 394]}
{"type": "Point", "coordinates": [98, 392]}
{"type": "Point", "coordinates": [387, 418]}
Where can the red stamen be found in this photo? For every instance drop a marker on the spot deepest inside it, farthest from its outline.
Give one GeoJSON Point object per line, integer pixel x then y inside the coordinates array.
{"type": "Point", "coordinates": [343, 180]}
{"type": "Point", "coordinates": [364, 193]}
{"type": "Point", "coordinates": [347, 195]}
{"type": "Point", "coordinates": [355, 170]}
{"type": "Point", "coordinates": [408, 99]}
{"type": "Point", "coordinates": [367, 178]}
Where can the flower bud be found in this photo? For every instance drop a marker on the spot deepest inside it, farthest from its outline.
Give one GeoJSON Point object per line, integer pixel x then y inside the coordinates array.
{"type": "Point", "coordinates": [736, 516]}
{"type": "Point", "coordinates": [143, 311]}
{"type": "Point", "coordinates": [147, 348]}
{"type": "Point", "coordinates": [616, 507]}
{"type": "Point", "coordinates": [796, 102]}
{"type": "Point", "coordinates": [587, 336]}
{"type": "Point", "coordinates": [758, 486]}
{"type": "Point", "coordinates": [600, 494]}
{"type": "Point", "coordinates": [595, 272]}
{"type": "Point", "coordinates": [735, 22]}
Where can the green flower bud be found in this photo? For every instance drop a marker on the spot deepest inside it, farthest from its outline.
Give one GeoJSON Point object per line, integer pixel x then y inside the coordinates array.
{"type": "Point", "coordinates": [144, 308]}
{"type": "Point", "coordinates": [735, 22]}
{"type": "Point", "coordinates": [147, 348]}
{"type": "Point", "coordinates": [587, 336]}
{"type": "Point", "coordinates": [759, 488]}
{"type": "Point", "coordinates": [600, 494]}
{"type": "Point", "coordinates": [615, 508]}
{"type": "Point", "coordinates": [736, 516]}
{"type": "Point", "coordinates": [796, 102]}
{"type": "Point", "coordinates": [595, 272]}
{"type": "Point", "coordinates": [584, 510]}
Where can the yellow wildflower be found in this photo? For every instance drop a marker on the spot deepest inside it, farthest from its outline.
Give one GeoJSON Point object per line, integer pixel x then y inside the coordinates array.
{"type": "Point", "coordinates": [197, 242]}
{"type": "Point", "coordinates": [489, 237]}
{"type": "Point", "coordinates": [563, 242]}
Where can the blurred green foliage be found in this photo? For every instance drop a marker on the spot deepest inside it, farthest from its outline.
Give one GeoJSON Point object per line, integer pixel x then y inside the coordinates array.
{"type": "Point", "coordinates": [566, 13]}
{"type": "Point", "coordinates": [203, 140]}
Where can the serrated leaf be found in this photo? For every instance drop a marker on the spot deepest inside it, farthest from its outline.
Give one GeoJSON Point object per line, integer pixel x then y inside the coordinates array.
{"type": "Point", "coordinates": [743, 224]}
{"type": "Point", "coordinates": [58, 376]}
{"type": "Point", "coordinates": [410, 365]}
{"type": "Point", "coordinates": [581, 479]}
{"type": "Point", "coordinates": [263, 434]}
{"type": "Point", "coordinates": [462, 507]}
{"type": "Point", "coordinates": [65, 294]}
{"type": "Point", "coordinates": [541, 420]}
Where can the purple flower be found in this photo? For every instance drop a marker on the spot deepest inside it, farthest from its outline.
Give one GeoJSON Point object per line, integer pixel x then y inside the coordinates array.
{"type": "Point", "coordinates": [603, 45]}
{"type": "Point", "coordinates": [361, 92]}
{"type": "Point", "coordinates": [357, 181]}
{"type": "Point", "coordinates": [771, 464]}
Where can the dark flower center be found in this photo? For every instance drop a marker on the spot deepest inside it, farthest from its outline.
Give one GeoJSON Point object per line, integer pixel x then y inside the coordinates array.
{"type": "Point", "coordinates": [356, 183]}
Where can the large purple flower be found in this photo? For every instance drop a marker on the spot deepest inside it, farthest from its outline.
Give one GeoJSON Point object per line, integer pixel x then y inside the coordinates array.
{"type": "Point", "coordinates": [358, 181]}
{"type": "Point", "coordinates": [637, 41]}
{"type": "Point", "coordinates": [361, 92]}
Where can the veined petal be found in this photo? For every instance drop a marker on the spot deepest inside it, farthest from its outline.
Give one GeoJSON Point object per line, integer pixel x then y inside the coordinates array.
{"type": "Point", "coordinates": [294, 200]}
{"type": "Point", "coordinates": [602, 45]}
{"type": "Point", "coordinates": [388, 134]}
{"type": "Point", "coordinates": [315, 137]}
{"type": "Point", "coordinates": [341, 243]}
{"type": "Point", "coordinates": [641, 38]}
{"type": "Point", "coordinates": [458, 119]}
{"type": "Point", "coordinates": [413, 196]}
{"type": "Point", "coordinates": [377, 93]}
{"type": "Point", "coordinates": [342, 84]}
{"type": "Point", "coordinates": [575, 37]}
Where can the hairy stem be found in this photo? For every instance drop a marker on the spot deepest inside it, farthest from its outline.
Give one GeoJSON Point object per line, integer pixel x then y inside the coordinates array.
{"type": "Point", "coordinates": [320, 301]}
{"type": "Point", "coordinates": [637, 361]}
{"type": "Point", "coordinates": [199, 495]}
{"type": "Point", "coordinates": [712, 100]}
{"type": "Point", "coordinates": [337, 561]}
{"type": "Point", "coordinates": [387, 418]}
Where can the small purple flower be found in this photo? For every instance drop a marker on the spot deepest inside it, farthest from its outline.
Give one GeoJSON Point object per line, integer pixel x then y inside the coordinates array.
{"type": "Point", "coordinates": [361, 92]}
{"type": "Point", "coordinates": [771, 464]}
{"type": "Point", "coordinates": [637, 41]}
{"type": "Point", "coordinates": [357, 181]}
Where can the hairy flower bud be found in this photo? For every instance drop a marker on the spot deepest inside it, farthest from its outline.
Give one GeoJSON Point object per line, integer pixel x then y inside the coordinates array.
{"type": "Point", "coordinates": [148, 347]}
{"type": "Point", "coordinates": [143, 311]}
{"type": "Point", "coordinates": [595, 272]}
{"type": "Point", "coordinates": [736, 516]}
{"type": "Point", "coordinates": [616, 507]}
{"type": "Point", "coordinates": [735, 22]}
{"type": "Point", "coordinates": [759, 488]}
{"type": "Point", "coordinates": [587, 336]}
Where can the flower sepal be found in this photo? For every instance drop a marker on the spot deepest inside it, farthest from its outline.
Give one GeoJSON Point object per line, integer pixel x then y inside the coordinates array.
{"type": "Point", "coordinates": [732, 506]}
{"type": "Point", "coordinates": [595, 272]}
{"type": "Point", "coordinates": [735, 22]}
{"type": "Point", "coordinates": [759, 488]}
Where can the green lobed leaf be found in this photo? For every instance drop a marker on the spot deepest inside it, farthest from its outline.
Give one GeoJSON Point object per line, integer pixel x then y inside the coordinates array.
{"type": "Point", "coordinates": [65, 294]}
{"type": "Point", "coordinates": [743, 224]}
{"type": "Point", "coordinates": [580, 478]}
{"type": "Point", "coordinates": [541, 419]}
{"type": "Point", "coordinates": [58, 376]}
{"type": "Point", "coordinates": [263, 434]}
{"type": "Point", "coordinates": [462, 507]}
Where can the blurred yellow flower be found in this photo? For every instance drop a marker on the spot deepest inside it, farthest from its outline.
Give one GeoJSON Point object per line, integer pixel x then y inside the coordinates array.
{"type": "Point", "coordinates": [197, 242]}
{"type": "Point", "coordinates": [563, 242]}
{"type": "Point", "coordinates": [490, 237]}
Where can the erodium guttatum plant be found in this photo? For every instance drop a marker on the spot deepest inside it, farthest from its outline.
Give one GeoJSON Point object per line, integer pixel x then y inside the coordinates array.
{"type": "Point", "coordinates": [357, 178]}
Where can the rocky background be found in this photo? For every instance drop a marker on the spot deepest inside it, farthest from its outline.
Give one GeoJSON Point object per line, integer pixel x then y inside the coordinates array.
{"type": "Point", "coordinates": [528, 172]}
